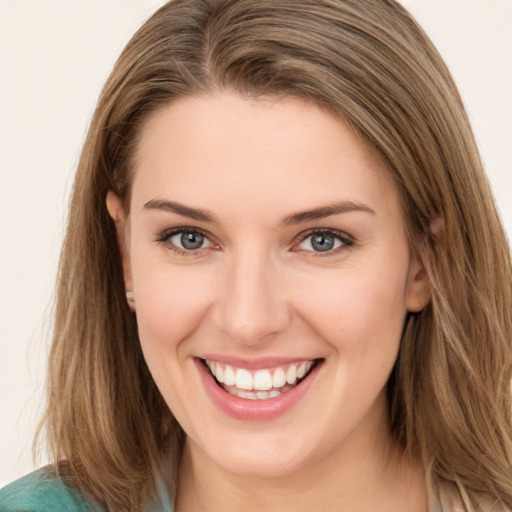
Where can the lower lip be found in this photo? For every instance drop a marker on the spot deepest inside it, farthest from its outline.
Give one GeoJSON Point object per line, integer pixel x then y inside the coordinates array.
{"type": "Point", "coordinates": [244, 409]}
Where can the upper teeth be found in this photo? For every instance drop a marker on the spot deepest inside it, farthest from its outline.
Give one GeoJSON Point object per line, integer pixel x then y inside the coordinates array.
{"type": "Point", "coordinates": [259, 380]}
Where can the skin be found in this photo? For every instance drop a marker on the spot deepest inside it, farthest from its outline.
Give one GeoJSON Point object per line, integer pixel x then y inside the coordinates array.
{"type": "Point", "coordinates": [257, 288]}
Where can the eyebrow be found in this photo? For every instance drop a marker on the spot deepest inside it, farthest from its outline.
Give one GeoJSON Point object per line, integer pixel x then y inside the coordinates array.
{"type": "Point", "coordinates": [186, 211]}
{"type": "Point", "coordinates": [325, 211]}
{"type": "Point", "coordinates": [295, 218]}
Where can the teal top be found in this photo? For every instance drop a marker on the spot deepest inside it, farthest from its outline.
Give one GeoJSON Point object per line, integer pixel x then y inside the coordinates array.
{"type": "Point", "coordinates": [44, 491]}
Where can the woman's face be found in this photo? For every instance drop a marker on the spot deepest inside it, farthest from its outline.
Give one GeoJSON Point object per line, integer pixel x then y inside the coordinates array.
{"type": "Point", "coordinates": [266, 246]}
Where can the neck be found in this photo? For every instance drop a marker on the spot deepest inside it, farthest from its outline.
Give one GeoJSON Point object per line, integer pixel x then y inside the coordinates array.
{"type": "Point", "coordinates": [363, 476]}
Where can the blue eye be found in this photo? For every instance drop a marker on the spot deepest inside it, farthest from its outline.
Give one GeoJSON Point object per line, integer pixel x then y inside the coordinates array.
{"type": "Point", "coordinates": [185, 240]}
{"type": "Point", "coordinates": [323, 241]}
{"type": "Point", "coordinates": [189, 240]}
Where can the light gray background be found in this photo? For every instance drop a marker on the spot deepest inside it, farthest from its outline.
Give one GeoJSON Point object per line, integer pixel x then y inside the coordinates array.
{"type": "Point", "coordinates": [54, 57]}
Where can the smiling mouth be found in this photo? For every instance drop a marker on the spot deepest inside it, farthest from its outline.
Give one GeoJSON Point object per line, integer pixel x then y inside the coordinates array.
{"type": "Point", "coordinates": [259, 384]}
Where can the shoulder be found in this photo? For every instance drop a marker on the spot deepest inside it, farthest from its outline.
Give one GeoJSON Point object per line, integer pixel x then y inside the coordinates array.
{"type": "Point", "coordinates": [43, 491]}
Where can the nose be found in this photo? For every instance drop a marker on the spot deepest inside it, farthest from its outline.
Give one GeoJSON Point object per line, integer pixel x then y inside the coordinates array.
{"type": "Point", "coordinates": [251, 305]}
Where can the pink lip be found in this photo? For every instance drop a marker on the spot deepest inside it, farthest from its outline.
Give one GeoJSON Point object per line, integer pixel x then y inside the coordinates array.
{"type": "Point", "coordinates": [243, 409]}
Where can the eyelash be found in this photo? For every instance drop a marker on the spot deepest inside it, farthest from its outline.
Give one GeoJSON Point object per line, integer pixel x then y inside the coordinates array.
{"type": "Point", "coordinates": [166, 235]}
{"type": "Point", "coordinates": [345, 239]}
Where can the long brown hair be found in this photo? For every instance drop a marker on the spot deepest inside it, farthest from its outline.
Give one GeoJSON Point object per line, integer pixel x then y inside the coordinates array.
{"type": "Point", "coordinates": [368, 62]}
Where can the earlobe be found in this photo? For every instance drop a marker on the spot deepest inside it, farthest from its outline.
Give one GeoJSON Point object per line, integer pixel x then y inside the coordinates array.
{"type": "Point", "coordinates": [116, 211]}
{"type": "Point", "coordinates": [418, 286]}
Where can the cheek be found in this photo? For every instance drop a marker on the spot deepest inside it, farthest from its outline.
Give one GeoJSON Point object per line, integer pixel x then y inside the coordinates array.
{"type": "Point", "coordinates": [170, 305]}
{"type": "Point", "coordinates": [356, 310]}
{"type": "Point", "coordinates": [170, 302]}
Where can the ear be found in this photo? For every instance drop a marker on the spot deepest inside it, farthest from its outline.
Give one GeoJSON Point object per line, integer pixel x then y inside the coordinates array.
{"type": "Point", "coordinates": [116, 211]}
{"type": "Point", "coordinates": [418, 286]}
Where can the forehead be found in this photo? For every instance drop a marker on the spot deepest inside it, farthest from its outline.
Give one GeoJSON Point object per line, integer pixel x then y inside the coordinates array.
{"type": "Point", "coordinates": [282, 152]}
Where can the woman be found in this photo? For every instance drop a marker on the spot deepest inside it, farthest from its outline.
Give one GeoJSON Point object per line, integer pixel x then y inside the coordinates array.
{"type": "Point", "coordinates": [284, 283]}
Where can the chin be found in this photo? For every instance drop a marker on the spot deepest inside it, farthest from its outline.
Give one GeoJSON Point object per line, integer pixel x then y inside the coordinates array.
{"type": "Point", "coordinates": [263, 458]}
{"type": "Point", "coordinates": [259, 467]}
